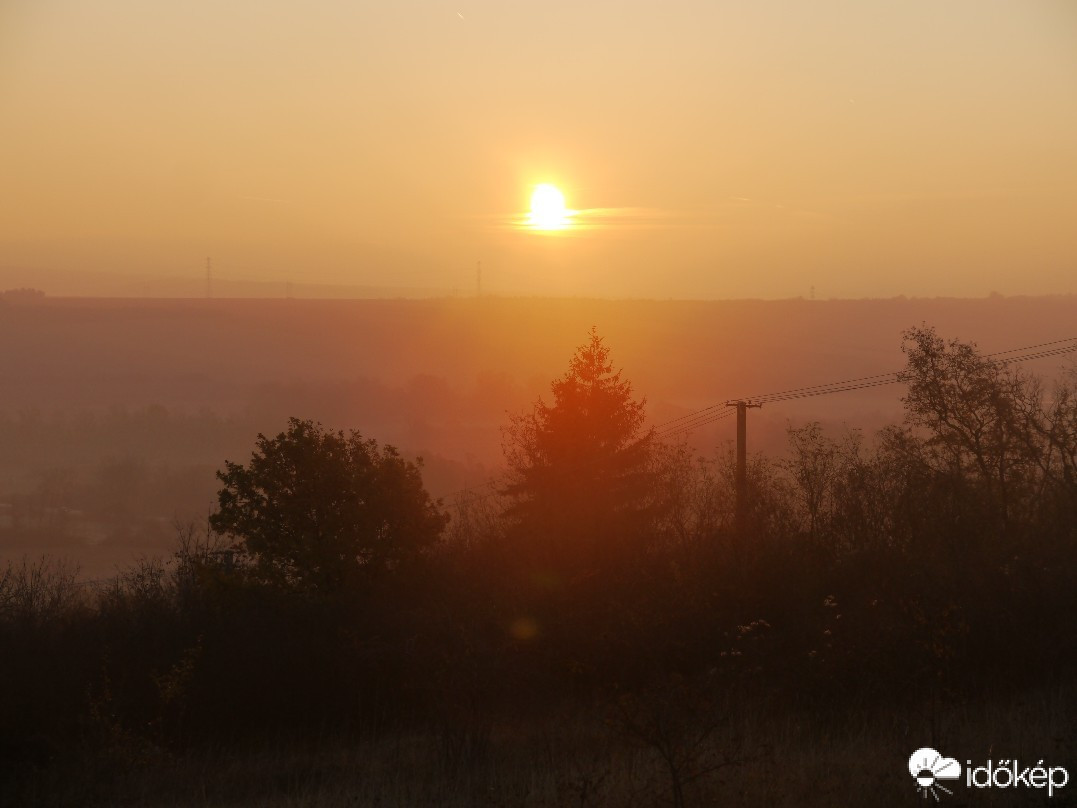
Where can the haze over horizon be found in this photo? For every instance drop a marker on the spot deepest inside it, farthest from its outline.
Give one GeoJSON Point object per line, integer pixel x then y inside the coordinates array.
{"type": "Point", "coordinates": [703, 150]}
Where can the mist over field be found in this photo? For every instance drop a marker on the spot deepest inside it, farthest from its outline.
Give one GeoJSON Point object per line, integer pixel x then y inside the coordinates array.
{"type": "Point", "coordinates": [116, 414]}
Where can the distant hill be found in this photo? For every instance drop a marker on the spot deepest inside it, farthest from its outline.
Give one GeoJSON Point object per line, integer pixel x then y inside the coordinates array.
{"type": "Point", "coordinates": [192, 284]}
{"type": "Point", "coordinates": [115, 413]}
{"type": "Point", "coordinates": [457, 364]}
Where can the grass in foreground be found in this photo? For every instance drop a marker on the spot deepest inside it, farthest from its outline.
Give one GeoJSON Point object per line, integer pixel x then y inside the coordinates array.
{"type": "Point", "coordinates": [634, 753]}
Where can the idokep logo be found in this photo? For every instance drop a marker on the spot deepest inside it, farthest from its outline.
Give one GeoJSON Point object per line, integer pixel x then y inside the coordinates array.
{"type": "Point", "coordinates": [928, 767]}
{"type": "Point", "coordinates": [1011, 774]}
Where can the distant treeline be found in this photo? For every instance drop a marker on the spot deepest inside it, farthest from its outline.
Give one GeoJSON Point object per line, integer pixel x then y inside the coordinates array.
{"type": "Point", "coordinates": [21, 295]}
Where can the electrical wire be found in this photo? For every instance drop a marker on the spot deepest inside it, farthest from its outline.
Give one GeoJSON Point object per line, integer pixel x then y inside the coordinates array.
{"type": "Point", "coordinates": [721, 410]}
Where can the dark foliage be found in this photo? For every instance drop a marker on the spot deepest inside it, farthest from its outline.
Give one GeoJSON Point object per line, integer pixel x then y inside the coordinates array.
{"type": "Point", "coordinates": [580, 496]}
{"type": "Point", "coordinates": [319, 510]}
{"type": "Point", "coordinates": [937, 561]}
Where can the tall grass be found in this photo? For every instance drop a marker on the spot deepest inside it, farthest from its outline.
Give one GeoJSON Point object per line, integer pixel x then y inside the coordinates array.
{"type": "Point", "coordinates": [799, 758]}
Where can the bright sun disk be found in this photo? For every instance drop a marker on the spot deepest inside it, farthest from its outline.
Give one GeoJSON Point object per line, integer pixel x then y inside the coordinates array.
{"type": "Point", "coordinates": [548, 210]}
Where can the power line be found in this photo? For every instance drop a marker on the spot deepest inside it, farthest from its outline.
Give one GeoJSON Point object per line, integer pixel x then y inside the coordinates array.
{"type": "Point", "coordinates": [1027, 353]}
{"type": "Point", "coordinates": [719, 411]}
{"type": "Point", "coordinates": [695, 424]}
{"type": "Point", "coordinates": [836, 388]}
{"type": "Point", "coordinates": [877, 380]}
{"type": "Point", "coordinates": [1040, 355]}
{"type": "Point", "coordinates": [1071, 340]}
{"type": "Point", "coordinates": [688, 415]}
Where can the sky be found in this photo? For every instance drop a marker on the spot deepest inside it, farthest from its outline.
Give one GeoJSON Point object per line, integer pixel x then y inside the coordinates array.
{"type": "Point", "coordinates": [719, 149]}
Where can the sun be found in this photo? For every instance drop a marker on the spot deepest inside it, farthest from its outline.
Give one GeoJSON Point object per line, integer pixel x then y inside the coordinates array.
{"type": "Point", "coordinates": [548, 211]}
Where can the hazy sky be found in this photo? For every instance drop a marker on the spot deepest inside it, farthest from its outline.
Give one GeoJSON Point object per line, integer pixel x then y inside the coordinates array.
{"type": "Point", "coordinates": [713, 149]}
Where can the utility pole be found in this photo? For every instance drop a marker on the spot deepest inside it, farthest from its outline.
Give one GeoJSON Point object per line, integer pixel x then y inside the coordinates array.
{"type": "Point", "coordinates": [742, 461]}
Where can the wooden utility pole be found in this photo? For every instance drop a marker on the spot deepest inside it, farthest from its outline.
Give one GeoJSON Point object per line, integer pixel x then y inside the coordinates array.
{"type": "Point", "coordinates": [741, 478]}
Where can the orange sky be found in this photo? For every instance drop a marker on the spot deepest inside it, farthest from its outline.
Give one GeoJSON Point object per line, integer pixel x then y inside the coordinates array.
{"type": "Point", "coordinates": [715, 149]}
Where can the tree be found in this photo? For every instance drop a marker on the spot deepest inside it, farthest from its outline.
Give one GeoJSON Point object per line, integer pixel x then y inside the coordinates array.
{"type": "Point", "coordinates": [319, 510]}
{"type": "Point", "coordinates": [580, 467]}
{"type": "Point", "coordinates": [813, 465]}
{"type": "Point", "coordinates": [980, 417]}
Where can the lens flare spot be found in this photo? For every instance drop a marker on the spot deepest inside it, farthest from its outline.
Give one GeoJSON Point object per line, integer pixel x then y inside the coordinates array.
{"type": "Point", "coordinates": [524, 628]}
